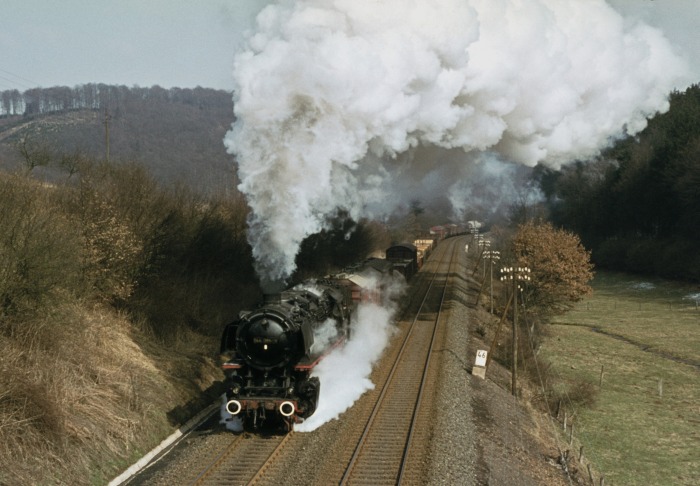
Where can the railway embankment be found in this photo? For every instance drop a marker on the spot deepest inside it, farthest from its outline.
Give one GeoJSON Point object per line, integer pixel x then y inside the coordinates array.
{"type": "Point", "coordinates": [507, 440]}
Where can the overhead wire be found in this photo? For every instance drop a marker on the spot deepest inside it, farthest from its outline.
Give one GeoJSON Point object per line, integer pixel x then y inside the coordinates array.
{"type": "Point", "coordinates": [21, 83]}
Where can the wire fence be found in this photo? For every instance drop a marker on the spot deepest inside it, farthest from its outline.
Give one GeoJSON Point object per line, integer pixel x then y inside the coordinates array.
{"type": "Point", "coordinates": [651, 306]}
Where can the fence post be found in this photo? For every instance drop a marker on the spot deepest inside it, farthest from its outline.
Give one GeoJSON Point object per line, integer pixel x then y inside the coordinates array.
{"type": "Point", "coordinates": [571, 435]}
{"type": "Point", "coordinates": [590, 473]}
{"type": "Point", "coordinates": [600, 383]}
{"type": "Point", "coordinates": [661, 388]}
{"type": "Point", "coordinates": [580, 457]}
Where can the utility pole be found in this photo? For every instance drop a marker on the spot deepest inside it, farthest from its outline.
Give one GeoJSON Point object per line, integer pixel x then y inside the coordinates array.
{"type": "Point", "coordinates": [492, 256]}
{"type": "Point", "coordinates": [106, 122]}
{"type": "Point", "coordinates": [515, 274]}
{"type": "Point", "coordinates": [514, 376]}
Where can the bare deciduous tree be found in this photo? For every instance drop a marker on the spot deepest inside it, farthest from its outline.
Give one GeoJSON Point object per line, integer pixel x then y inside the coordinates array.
{"type": "Point", "coordinates": [33, 154]}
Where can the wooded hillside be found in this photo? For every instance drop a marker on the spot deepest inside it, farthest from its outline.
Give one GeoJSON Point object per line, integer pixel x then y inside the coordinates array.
{"type": "Point", "coordinates": [177, 134]}
{"type": "Point", "coordinates": [638, 205]}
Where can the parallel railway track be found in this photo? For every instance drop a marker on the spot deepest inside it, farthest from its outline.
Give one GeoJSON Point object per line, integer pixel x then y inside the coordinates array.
{"type": "Point", "coordinates": [380, 456]}
{"type": "Point", "coordinates": [389, 447]}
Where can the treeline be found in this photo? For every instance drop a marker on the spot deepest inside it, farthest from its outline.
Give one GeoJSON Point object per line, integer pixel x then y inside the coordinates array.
{"type": "Point", "coordinates": [91, 96]}
{"type": "Point", "coordinates": [638, 205]}
{"type": "Point", "coordinates": [109, 234]}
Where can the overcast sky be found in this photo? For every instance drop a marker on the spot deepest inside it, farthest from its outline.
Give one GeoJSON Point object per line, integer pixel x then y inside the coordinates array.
{"type": "Point", "coordinates": [183, 43]}
{"type": "Point", "coordinates": [188, 43]}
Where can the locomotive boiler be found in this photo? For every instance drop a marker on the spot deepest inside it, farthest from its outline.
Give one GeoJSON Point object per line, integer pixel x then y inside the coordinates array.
{"type": "Point", "coordinates": [274, 348]}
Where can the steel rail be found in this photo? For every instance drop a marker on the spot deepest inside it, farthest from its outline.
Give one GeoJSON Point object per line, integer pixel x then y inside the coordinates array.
{"type": "Point", "coordinates": [217, 465]}
{"type": "Point", "coordinates": [380, 400]}
{"type": "Point", "coordinates": [419, 399]}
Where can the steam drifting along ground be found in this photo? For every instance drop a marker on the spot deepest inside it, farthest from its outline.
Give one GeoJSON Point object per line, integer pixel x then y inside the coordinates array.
{"type": "Point", "coordinates": [344, 374]}
{"type": "Point", "coordinates": [348, 103]}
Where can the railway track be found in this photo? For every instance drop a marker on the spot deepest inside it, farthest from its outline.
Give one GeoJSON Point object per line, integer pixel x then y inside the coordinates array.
{"type": "Point", "coordinates": [385, 435]}
{"type": "Point", "coordinates": [381, 454]}
{"type": "Point", "coordinates": [244, 461]}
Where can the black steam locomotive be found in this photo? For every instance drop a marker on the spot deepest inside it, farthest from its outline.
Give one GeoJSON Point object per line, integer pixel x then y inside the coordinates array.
{"type": "Point", "coordinates": [274, 349]}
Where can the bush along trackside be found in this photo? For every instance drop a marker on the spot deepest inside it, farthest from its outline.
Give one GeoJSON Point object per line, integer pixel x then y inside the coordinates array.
{"type": "Point", "coordinates": [112, 293]}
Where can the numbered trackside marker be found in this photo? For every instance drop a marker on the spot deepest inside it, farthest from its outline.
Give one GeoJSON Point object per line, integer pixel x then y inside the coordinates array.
{"type": "Point", "coordinates": [480, 364]}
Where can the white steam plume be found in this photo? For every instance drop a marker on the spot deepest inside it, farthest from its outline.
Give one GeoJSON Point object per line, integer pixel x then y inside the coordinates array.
{"type": "Point", "coordinates": [344, 373]}
{"type": "Point", "coordinates": [327, 93]}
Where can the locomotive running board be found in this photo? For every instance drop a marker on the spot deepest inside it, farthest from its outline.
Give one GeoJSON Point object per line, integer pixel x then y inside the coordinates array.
{"type": "Point", "coordinates": [229, 365]}
{"type": "Point", "coordinates": [309, 366]}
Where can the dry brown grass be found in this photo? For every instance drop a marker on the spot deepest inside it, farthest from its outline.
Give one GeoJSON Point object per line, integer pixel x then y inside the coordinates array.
{"type": "Point", "coordinates": [81, 397]}
{"type": "Point", "coordinates": [112, 292]}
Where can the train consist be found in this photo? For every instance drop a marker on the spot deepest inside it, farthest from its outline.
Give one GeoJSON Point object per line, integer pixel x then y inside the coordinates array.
{"type": "Point", "coordinates": [275, 347]}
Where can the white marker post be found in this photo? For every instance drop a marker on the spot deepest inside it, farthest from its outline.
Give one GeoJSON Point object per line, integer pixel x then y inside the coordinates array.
{"type": "Point", "coordinates": [480, 364]}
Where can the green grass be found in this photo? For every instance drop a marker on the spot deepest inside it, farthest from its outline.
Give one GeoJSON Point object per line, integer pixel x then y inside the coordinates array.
{"type": "Point", "coordinates": [633, 435]}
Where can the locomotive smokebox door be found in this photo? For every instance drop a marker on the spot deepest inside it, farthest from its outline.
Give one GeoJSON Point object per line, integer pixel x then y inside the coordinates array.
{"type": "Point", "coordinates": [264, 341]}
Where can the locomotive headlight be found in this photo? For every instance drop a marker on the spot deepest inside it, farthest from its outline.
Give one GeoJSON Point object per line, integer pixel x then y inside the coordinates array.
{"type": "Point", "coordinates": [286, 409]}
{"type": "Point", "coordinates": [265, 347]}
{"type": "Point", "coordinates": [290, 390]}
{"type": "Point", "coordinates": [234, 407]}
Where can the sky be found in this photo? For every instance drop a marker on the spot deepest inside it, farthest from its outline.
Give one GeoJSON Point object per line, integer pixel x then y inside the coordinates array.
{"type": "Point", "coordinates": [171, 43]}
{"type": "Point", "coordinates": [189, 43]}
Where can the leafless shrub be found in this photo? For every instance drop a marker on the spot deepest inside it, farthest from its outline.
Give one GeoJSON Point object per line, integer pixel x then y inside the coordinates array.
{"type": "Point", "coordinates": [583, 393]}
{"type": "Point", "coordinates": [84, 381]}
{"type": "Point", "coordinates": [111, 249]}
{"type": "Point", "coordinates": [39, 251]}
{"type": "Point", "coordinates": [33, 152]}
{"type": "Point", "coordinates": [557, 396]}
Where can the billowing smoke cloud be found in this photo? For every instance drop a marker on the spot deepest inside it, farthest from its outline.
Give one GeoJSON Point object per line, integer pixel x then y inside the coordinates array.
{"type": "Point", "coordinates": [329, 95]}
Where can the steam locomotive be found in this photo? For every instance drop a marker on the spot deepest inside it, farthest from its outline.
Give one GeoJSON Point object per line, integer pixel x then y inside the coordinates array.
{"type": "Point", "coordinates": [275, 347]}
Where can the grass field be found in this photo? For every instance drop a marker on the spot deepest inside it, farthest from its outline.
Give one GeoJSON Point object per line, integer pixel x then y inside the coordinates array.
{"type": "Point", "coordinates": [645, 336]}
